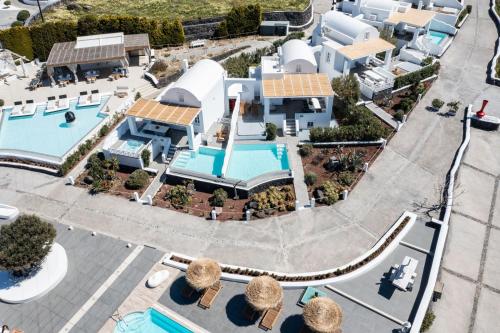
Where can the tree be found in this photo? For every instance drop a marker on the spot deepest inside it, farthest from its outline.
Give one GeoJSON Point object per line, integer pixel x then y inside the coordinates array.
{"type": "Point", "coordinates": [24, 244]}
{"type": "Point", "coordinates": [23, 15]}
{"type": "Point", "coordinates": [347, 90]}
{"type": "Point", "coordinates": [454, 106]}
{"type": "Point", "coordinates": [437, 103]}
{"type": "Point", "coordinates": [271, 131]}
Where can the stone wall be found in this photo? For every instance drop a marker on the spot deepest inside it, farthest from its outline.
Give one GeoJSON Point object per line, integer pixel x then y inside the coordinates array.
{"type": "Point", "coordinates": [296, 18]}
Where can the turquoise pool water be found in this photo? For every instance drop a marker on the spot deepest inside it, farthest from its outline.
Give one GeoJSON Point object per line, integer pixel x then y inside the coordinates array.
{"type": "Point", "coordinates": [48, 133]}
{"type": "Point", "coordinates": [246, 162]}
{"type": "Point", "coordinates": [150, 321]}
{"type": "Point", "coordinates": [131, 145]}
{"type": "Point", "coordinates": [436, 36]}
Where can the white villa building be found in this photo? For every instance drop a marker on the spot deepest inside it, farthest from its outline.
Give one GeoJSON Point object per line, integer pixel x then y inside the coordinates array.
{"type": "Point", "coordinates": [345, 45]}
{"type": "Point", "coordinates": [429, 24]}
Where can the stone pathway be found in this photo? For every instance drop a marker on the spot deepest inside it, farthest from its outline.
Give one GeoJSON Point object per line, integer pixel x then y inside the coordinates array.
{"type": "Point", "coordinates": [384, 116]}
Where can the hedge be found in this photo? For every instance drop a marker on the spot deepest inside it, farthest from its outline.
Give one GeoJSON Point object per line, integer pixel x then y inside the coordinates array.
{"type": "Point", "coordinates": [417, 76]}
{"type": "Point", "coordinates": [18, 40]}
{"type": "Point", "coordinates": [243, 19]}
{"type": "Point", "coordinates": [37, 40]}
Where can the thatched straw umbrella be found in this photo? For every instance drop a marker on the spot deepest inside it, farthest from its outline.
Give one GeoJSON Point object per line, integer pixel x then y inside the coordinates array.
{"type": "Point", "coordinates": [203, 273]}
{"type": "Point", "coordinates": [322, 315]}
{"type": "Point", "coordinates": [263, 292]}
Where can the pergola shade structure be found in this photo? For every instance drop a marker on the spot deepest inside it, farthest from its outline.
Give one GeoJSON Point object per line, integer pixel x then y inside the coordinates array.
{"type": "Point", "coordinates": [163, 112]}
{"type": "Point", "coordinates": [297, 85]}
{"type": "Point", "coordinates": [415, 17]}
{"type": "Point", "coordinates": [96, 49]}
{"type": "Point", "coordinates": [367, 48]}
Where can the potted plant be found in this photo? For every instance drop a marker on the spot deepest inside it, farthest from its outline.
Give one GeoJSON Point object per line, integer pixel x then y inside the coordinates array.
{"type": "Point", "coordinates": [437, 104]}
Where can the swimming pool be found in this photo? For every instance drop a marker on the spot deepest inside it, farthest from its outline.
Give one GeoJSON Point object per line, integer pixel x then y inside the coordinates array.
{"type": "Point", "coordinates": [49, 134]}
{"type": "Point", "coordinates": [247, 160]}
{"type": "Point", "coordinates": [436, 36]}
{"type": "Point", "coordinates": [131, 146]}
{"type": "Point", "coordinates": [149, 321]}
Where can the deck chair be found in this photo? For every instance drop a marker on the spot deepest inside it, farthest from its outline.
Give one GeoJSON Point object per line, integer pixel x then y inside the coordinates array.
{"type": "Point", "coordinates": [209, 296]}
{"type": "Point", "coordinates": [270, 318]}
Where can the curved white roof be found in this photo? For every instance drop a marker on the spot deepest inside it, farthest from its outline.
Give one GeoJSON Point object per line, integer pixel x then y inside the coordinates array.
{"type": "Point", "coordinates": [200, 79]}
{"type": "Point", "coordinates": [296, 49]}
{"type": "Point", "coordinates": [345, 24]}
{"type": "Point", "coordinates": [380, 4]}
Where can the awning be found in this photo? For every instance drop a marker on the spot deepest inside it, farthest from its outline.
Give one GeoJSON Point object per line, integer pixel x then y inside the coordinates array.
{"type": "Point", "coordinates": [415, 17]}
{"type": "Point", "coordinates": [164, 113]}
{"type": "Point", "coordinates": [63, 54]}
{"type": "Point", "coordinates": [298, 85]}
{"type": "Point", "coordinates": [364, 49]}
{"type": "Point", "coordinates": [136, 42]}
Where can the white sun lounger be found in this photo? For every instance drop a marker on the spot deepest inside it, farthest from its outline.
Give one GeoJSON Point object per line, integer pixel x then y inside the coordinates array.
{"type": "Point", "coordinates": [95, 99]}
{"type": "Point", "coordinates": [21, 111]}
{"type": "Point", "coordinates": [8, 213]}
{"type": "Point", "coordinates": [89, 100]}
{"type": "Point", "coordinates": [59, 105]}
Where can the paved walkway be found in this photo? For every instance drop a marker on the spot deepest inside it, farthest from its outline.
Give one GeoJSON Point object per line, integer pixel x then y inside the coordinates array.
{"type": "Point", "coordinates": [387, 118]}
{"type": "Point", "coordinates": [295, 162]}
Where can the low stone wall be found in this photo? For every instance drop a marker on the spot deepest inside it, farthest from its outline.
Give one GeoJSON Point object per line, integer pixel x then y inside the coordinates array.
{"type": "Point", "coordinates": [296, 18]}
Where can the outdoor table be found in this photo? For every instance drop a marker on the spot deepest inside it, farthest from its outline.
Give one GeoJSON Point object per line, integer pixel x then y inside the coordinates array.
{"type": "Point", "coordinates": [402, 275]}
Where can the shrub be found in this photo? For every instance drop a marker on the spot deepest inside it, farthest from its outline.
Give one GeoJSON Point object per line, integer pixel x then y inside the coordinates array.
{"type": "Point", "coordinates": [274, 198]}
{"type": "Point", "coordinates": [102, 171]}
{"type": "Point", "coordinates": [17, 24]}
{"type": "Point", "coordinates": [23, 15]}
{"type": "Point", "coordinates": [306, 150]}
{"type": "Point", "coordinates": [243, 19]}
{"type": "Point", "coordinates": [158, 67]}
{"type": "Point", "coordinates": [454, 106]}
{"type": "Point", "coordinates": [179, 196]}
{"type": "Point", "coordinates": [46, 34]}
{"type": "Point", "coordinates": [137, 180]}
{"type": "Point", "coordinates": [271, 131]}
{"type": "Point", "coordinates": [417, 76]}
{"type": "Point", "coordinates": [7, 2]}
{"type": "Point", "coordinates": [399, 115]}
{"type": "Point", "coordinates": [103, 131]}
{"type": "Point", "coordinates": [2, 102]}
{"type": "Point", "coordinates": [352, 161]}
{"type": "Point", "coordinates": [346, 178]}
{"type": "Point", "coordinates": [17, 40]}
{"type": "Point", "coordinates": [24, 244]}
{"type": "Point", "coordinates": [310, 178]}
{"type": "Point", "coordinates": [347, 89]}
{"type": "Point", "coordinates": [330, 193]}
{"type": "Point", "coordinates": [359, 125]}
{"type": "Point", "coordinates": [219, 197]}
{"type": "Point", "coordinates": [73, 6]}
{"type": "Point", "coordinates": [137, 96]}
{"type": "Point", "coordinates": [428, 320]}
{"type": "Point", "coordinates": [437, 103]}
{"type": "Point", "coordinates": [221, 30]}
{"type": "Point", "coordinates": [146, 157]}
{"type": "Point", "coordinates": [405, 105]}
{"type": "Point", "coordinates": [427, 61]}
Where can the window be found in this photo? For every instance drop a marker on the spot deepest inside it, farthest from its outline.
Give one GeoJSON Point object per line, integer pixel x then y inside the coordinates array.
{"type": "Point", "coordinates": [328, 56]}
{"type": "Point", "coordinates": [181, 98]}
{"type": "Point", "coordinates": [310, 124]}
{"type": "Point", "coordinates": [197, 119]}
{"type": "Point", "coordinates": [298, 69]}
{"type": "Point", "coordinates": [367, 35]}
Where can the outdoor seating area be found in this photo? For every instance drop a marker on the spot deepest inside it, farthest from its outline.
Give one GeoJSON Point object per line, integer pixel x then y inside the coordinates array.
{"type": "Point", "coordinates": [89, 100]}
{"type": "Point", "coordinates": [54, 105]}
{"type": "Point", "coordinates": [118, 72]}
{"type": "Point", "coordinates": [403, 276]}
{"type": "Point", "coordinates": [20, 110]}
{"type": "Point", "coordinates": [91, 76]}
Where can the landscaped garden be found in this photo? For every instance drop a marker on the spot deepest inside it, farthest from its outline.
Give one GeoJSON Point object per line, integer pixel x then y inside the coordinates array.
{"type": "Point", "coordinates": [275, 200]}
{"type": "Point", "coordinates": [164, 9]}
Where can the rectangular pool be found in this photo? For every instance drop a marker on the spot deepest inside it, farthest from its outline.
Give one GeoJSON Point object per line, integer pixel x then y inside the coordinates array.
{"type": "Point", "coordinates": [150, 321]}
{"type": "Point", "coordinates": [49, 134]}
{"type": "Point", "coordinates": [436, 36]}
{"type": "Point", "coordinates": [247, 160]}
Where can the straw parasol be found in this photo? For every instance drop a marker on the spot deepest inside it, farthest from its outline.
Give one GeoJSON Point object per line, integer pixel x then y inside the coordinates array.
{"type": "Point", "coordinates": [203, 273]}
{"type": "Point", "coordinates": [323, 315]}
{"type": "Point", "coordinates": [263, 292]}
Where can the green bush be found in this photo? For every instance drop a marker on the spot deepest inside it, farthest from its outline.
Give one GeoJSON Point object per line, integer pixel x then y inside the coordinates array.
{"type": "Point", "coordinates": [102, 171]}
{"type": "Point", "coordinates": [44, 36]}
{"type": "Point", "coordinates": [347, 90]}
{"type": "Point", "coordinates": [346, 178]}
{"type": "Point", "coordinates": [497, 67]}
{"type": "Point", "coordinates": [146, 157]}
{"type": "Point", "coordinates": [17, 40]}
{"type": "Point", "coordinates": [427, 61]}
{"type": "Point", "coordinates": [24, 244]}
{"type": "Point", "coordinates": [17, 24]}
{"type": "Point", "coordinates": [427, 322]}
{"type": "Point", "coordinates": [330, 193]}
{"type": "Point", "coordinates": [271, 131]}
{"type": "Point", "coordinates": [310, 178]}
{"type": "Point", "coordinates": [359, 125]}
{"type": "Point", "coordinates": [399, 115]}
{"type": "Point", "coordinates": [243, 19]}
{"type": "Point", "coordinates": [7, 2]}
{"type": "Point", "coordinates": [2, 102]}
{"type": "Point", "coordinates": [405, 105]}
{"type": "Point", "coordinates": [437, 103]}
{"type": "Point", "coordinates": [274, 198]}
{"type": "Point", "coordinates": [219, 197]}
{"type": "Point", "coordinates": [23, 15]}
{"type": "Point", "coordinates": [137, 180]}
{"type": "Point", "coordinates": [221, 30]}
{"type": "Point", "coordinates": [306, 150]}
{"type": "Point", "coordinates": [159, 66]}
{"type": "Point", "coordinates": [137, 96]}
{"type": "Point", "coordinates": [103, 131]}
{"type": "Point", "coordinates": [454, 106]}
{"type": "Point", "coordinates": [179, 196]}
{"type": "Point", "coordinates": [417, 76]}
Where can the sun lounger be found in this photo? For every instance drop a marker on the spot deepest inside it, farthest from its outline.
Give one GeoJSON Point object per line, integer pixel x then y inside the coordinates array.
{"type": "Point", "coordinates": [95, 98]}
{"type": "Point", "coordinates": [270, 318]}
{"type": "Point", "coordinates": [83, 100]}
{"type": "Point", "coordinates": [59, 105]}
{"type": "Point", "coordinates": [121, 91]}
{"type": "Point", "coordinates": [209, 296]}
{"type": "Point", "coordinates": [21, 111]}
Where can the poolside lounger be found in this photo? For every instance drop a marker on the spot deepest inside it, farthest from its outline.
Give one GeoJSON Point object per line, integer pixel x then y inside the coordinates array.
{"type": "Point", "coordinates": [121, 91]}
{"type": "Point", "coordinates": [20, 110]}
{"type": "Point", "coordinates": [95, 98]}
{"type": "Point", "coordinates": [209, 296]}
{"type": "Point", "coordinates": [270, 318]}
{"type": "Point", "coordinates": [56, 106]}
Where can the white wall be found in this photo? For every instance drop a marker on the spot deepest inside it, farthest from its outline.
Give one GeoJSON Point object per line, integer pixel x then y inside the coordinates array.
{"type": "Point", "coordinates": [446, 18]}
{"type": "Point", "coordinates": [319, 119]}
{"type": "Point", "coordinates": [449, 3]}
{"type": "Point", "coordinates": [176, 95]}
{"type": "Point", "coordinates": [213, 106]}
{"type": "Point", "coordinates": [303, 65]}
{"type": "Point", "coordinates": [443, 27]}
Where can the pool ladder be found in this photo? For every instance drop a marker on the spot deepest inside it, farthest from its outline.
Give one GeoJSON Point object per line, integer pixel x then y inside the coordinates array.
{"type": "Point", "coordinates": [280, 148]}
{"type": "Point", "coordinates": [118, 317]}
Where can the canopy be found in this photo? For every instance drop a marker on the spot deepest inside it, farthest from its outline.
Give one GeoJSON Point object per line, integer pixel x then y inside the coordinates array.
{"type": "Point", "coordinates": [203, 273]}
{"type": "Point", "coordinates": [323, 315]}
{"type": "Point", "coordinates": [263, 292]}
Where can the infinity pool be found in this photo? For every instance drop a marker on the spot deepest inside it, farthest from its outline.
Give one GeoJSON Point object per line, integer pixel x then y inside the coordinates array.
{"type": "Point", "coordinates": [49, 134]}
{"type": "Point", "coordinates": [436, 36]}
{"type": "Point", "coordinates": [247, 160]}
{"type": "Point", "coordinates": [150, 321]}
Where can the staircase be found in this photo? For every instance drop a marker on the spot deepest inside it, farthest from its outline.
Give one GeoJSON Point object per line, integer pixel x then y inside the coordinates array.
{"type": "Point", "coordinates": [290, 128]}
{"type": "Point", "coordinates": [182, 159]}
{"type": "Point", "coordinates": [170, 155]}
{"type": "Point", "coordinates": [147, 90]}
{"type": "Point", "coordinates": [280, 149]}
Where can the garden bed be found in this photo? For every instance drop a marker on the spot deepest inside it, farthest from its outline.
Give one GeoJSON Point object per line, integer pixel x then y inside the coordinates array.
{"type": "Point", "coordinates": [317, 163]}
{"type": "Point", "coordinates": [201, 206]}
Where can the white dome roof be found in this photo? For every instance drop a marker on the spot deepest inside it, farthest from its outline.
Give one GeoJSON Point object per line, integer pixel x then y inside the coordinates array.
{"type": "Point", "coordinates": [296, 49]}
{"type": "Point", "coordinates": [345, 24]}
{"type": "Point", "coordinates": [200, 79]}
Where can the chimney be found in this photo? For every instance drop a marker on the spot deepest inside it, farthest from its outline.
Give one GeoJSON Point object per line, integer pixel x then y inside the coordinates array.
{"type": "Point", "coordinates": [185, 65]}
